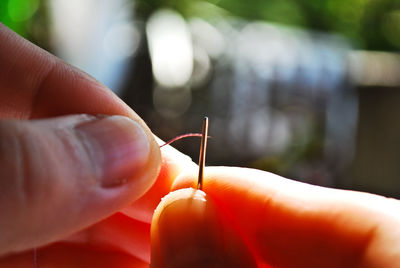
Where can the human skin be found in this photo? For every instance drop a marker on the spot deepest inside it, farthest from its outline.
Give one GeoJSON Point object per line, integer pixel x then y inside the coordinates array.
{"type": "Point", "coordinates": [47, 195]}
{"type": "Point", "coordinates": [243, 217]}
{"type": "Point", "coordinates": [283, 223]}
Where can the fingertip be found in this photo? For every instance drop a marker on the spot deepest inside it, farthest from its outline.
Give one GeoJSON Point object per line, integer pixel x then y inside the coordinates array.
{"type": "Point", "coordinates": [188, 231]}
{"type": "Point", "coordinates": [173, 200]}
{"type": "Point", "coordinates": [187, 179]}
{"type": "Point", "coordinates": [161, 229]}
{"type": "Point", "coordinates": [81, 166]}
{"type": "Point", "coordinates": [173, 163]}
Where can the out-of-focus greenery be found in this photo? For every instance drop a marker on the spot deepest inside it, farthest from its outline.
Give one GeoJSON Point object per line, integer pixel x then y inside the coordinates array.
{"type": "Point", "coordinates": [28, 18]}
{"type": "Point", "coordinates": [15, 13]}
{"type": "Point", "coordinates": [369, 24]}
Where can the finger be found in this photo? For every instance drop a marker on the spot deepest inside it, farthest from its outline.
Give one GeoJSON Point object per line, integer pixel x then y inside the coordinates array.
{"type": "Point", "coordinates": [129, 230]}
{"type": "Point", "coordinates": [67, 255]}
{"type": "Point", "coordinates": [61, 175]}
{"type": "Point", "coordinates": [173, 163]}
{"type": "Point", "coordinates": [117, 233]}
{"type": "Point", "coordinates": [292, 224]}
{"type": "Point", "coordinates": [187, 231]}
{"type": "Point", "coordinates": [34, 83]}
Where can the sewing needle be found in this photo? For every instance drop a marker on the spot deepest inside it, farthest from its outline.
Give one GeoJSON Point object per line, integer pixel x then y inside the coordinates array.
{"type": "Point", "coordinates": [203, 148]}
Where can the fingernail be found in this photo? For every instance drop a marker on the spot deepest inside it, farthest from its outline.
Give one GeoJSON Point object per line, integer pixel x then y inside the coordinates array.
{"type": "Point", "coordinates": [118, 148]}
{"type": "Point", "coordinates": [189, 232]}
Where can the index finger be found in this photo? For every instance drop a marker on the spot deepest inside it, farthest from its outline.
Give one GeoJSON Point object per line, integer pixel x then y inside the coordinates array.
{"type": "Point", "coordinates": [34, 83]}
{"type": "Point", "coordinates": [293, 224]}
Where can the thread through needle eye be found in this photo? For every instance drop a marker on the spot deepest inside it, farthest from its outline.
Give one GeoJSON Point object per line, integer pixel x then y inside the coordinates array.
{"type": "Point", "coordinates": [202, 156]}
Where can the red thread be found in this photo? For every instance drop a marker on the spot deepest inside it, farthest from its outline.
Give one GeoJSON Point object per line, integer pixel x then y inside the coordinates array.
{"type": "Point", "coordinates": [182, 137]}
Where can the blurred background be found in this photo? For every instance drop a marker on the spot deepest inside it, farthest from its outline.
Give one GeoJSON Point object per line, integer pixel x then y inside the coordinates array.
{"type": "Point", "coordinates": [306, 89]}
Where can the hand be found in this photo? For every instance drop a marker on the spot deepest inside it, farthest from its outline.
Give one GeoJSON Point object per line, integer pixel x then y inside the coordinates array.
{"type": "Point", "coordinates": [250, 218]}
{"type": "Point", "coordinates": [48, 190]}
{"type": "Point", "coordinates": [60, 175]}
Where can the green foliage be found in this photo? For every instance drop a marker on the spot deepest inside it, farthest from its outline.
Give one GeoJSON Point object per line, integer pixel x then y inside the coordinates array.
{"type": "Point", "coordinates": [16, 14]}
{"type": "Point", "coordinates": [369, 24]}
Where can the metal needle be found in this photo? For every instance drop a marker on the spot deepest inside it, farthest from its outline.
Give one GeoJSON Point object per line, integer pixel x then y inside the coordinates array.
{"type": "Point", "coordinates": [203, 148]}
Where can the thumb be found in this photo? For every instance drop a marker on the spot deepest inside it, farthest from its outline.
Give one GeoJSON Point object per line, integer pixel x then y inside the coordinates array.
{"type": "Point", "coordinates": [187, 231]}
{"type": "Point", "coordinates": [60, 175]}
{"type": "Point", "coordinates": [292, 224]}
